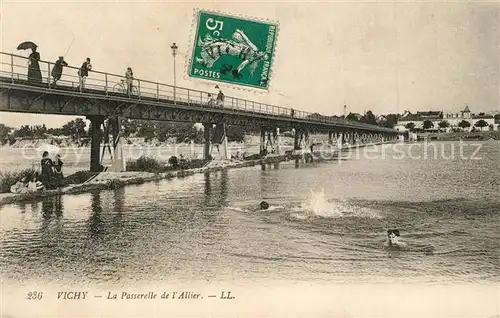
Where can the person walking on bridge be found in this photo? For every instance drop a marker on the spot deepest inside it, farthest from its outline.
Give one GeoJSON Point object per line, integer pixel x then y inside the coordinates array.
{"type": "Point", "coordinates": [83, 72]}
{"type": "Point", "coordinates": [58, 69]}
{"type": "Point", "coordinates": [129, 77]}
{"type": "Point", "coordinates": [220, 97]}
{"type": "Point", "coordinates": [34, 73]}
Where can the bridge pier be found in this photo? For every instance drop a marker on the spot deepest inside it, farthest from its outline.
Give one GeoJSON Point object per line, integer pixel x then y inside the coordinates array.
{"type": "Point", "coordinates": [330, 137]}
{"type": "Point", "coordinates": [118, 158]}
{"type": "Point", "coordinates": [276, 137]}
{"type": "Point", "coordinates": [95, 143]}
{"type": "Point", "coordinates": [224, 146]}
{"type": "Point", "coordinates": [296, 143]}
{"type": "Point", "coordinates": [262, 140]}
{"type": "Point", "coordinates": [307, 143]}
{"type": "Point", "coordinates": [207, 129]}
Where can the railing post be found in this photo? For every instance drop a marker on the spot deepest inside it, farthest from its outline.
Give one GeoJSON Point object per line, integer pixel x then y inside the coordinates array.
{"type": "Point", "coordinates": [106, 83]}
{"type": "Point", "coordinates": [201, 98]}
{"type": "Point", "coordinates": [158, 91]}
{"type": "Point", "coordinates": [12, 67]}
{"type": "Point", "coordinates": [189, 101]}
{"type": "Point", "coordinates": [48, 73]}
{"type": "Point", "coordinates": [138, 88]}
{"type": "Point", "coordinates": [245, 104]}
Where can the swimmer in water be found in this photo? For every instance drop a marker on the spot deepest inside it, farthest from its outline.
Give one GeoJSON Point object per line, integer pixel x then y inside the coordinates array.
{"type": "Point", "coordinates": [393, 239]}
{"type": "Point", "coordinates": [264, 205]}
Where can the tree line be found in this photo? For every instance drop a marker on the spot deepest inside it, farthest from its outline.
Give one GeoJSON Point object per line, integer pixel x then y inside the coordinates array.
{"type": "Point", "coordinates": [427, 124]}
{"type": "Point", "coordinates": [77, 130]}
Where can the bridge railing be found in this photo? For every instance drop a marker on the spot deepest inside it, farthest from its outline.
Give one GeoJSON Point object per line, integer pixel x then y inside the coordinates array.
{"type": "Point", "coordinates": [16, 68]}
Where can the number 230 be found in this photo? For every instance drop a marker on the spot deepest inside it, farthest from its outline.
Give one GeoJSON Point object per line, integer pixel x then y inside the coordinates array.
{"type": "Point", "coordinates": [212, 24]}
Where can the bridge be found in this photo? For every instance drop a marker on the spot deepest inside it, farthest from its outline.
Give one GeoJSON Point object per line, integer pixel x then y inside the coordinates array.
{"type": "Point", "coordinates": [104, 100]}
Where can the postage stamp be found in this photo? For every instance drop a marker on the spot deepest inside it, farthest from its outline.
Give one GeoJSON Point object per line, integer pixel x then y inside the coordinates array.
{"type": "Point", "coordinates": [232, 49]}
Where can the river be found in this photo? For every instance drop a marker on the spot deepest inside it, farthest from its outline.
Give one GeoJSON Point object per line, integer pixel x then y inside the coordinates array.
{"type": "Point", "coordinates": [327, 223]}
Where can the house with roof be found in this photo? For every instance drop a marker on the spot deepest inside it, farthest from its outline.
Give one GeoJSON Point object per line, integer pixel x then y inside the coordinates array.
{"type": "Point", "coordinates": [418, 119]}
{"type": "Point", "coordinates": [454, 120]}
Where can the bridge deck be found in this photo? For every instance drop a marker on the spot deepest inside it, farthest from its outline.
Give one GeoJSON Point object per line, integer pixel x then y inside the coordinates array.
{"type": "Point", "coordinates": [13, 74]}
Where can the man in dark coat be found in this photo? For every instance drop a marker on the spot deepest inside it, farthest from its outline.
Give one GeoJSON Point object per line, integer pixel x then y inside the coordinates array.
{"type": "Point", "coordinates": [83, 72]}
{"type": "Point", "coordinates": [58, 69]}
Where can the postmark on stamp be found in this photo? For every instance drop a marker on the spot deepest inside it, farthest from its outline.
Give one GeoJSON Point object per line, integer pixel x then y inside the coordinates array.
{"type": "Point", "coordinates": [232, 50]}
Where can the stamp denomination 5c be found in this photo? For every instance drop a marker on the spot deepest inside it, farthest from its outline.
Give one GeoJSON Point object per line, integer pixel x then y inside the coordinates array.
{"type": "Point", "coordinates": [233, 50]}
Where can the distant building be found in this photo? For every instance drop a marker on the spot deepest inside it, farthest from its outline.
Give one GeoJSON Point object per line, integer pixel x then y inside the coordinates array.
{"type": "Point", "coordinates": [453, 119]}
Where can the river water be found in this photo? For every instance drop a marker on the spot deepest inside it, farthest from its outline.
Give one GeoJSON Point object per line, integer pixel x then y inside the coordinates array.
{"type": "Point", "coordinates": [327, 223]}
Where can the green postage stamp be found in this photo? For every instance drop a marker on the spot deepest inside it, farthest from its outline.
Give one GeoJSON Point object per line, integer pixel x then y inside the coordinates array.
{"type": "Point", "coordinates": [233, 50]}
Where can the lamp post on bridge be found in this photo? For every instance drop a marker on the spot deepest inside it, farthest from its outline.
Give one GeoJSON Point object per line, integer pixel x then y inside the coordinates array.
{"type": "Point", "coordinates": [174, 53]}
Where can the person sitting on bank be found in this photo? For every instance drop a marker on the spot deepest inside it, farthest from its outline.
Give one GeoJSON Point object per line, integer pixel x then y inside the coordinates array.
{"type": "Point", "coordinates": [34, 185]}
{"type": "Point", "coordinates": [20, 186]}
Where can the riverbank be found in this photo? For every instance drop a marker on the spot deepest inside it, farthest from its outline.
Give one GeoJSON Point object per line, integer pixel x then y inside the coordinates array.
{"type": "Point", "coordinates": [114, 180]}
{"type": "Point", "coordinates": [456, 136]}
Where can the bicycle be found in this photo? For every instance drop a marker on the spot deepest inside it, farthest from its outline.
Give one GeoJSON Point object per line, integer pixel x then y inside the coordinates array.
{"type": "Point", "coordinates": [122, 88]}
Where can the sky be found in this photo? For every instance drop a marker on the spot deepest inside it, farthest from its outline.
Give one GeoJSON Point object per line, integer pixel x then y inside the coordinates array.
{"type": "Point", "coordinates": [387, 57]}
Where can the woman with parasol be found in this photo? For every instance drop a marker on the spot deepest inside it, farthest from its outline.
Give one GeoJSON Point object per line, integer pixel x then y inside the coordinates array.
{"type": "Point", "coordinates": [34, 73]}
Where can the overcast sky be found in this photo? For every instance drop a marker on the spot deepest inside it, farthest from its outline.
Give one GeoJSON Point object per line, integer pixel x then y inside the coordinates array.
{"type": "Point", "coordinates": [381, 56]}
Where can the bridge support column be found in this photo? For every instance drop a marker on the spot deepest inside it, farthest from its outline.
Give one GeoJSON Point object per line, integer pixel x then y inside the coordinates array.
{"type": "Point", "coordinates": [118, 159]}
{"type": "Point", "coordinates": [340, 142]}
{"type": "Point", "coordinates": [307, 143]}
{"type": "Point", "coordinates": [330, 138]}
{"type": "Point", "coordinates": [207, 128]}
{"type": "Point", "coordinates": [296, 140]}
{"type": "Point", "coordinates": [276, 135]}
{"type": "Point", "coordinates": [95, 143]}
{"type": "Point", "coordinates": [224, 146]}
{"type": "Point", "coordinates": [262, 140]}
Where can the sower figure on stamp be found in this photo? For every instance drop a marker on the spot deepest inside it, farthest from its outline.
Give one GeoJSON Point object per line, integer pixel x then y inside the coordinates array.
{"type": "Point", "coordinates": [239, 46]}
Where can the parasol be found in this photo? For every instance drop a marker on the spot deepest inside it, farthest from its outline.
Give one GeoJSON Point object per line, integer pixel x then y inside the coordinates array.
{"type": "Point", "coordinates": [27, 45]}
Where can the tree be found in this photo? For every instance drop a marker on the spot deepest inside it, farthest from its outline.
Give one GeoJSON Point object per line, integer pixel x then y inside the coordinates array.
{"type": "Point", "coordinates": [481, 123]}
{"type": "Point", "coordinates": [352, 117]}
{"type": "Point", "coordinates": [464, 124]}
{"type": "Point", "coordinates": [74, 128]}
{"type": "Point", "coordinates": [444, 124]}
{"type": "Point", "coordinates": [23, 132]}
{"type": "Point", "coordinates": [391, 120]}
{"type": "Point", "coordinates": [427, 124]}
{"type": "Point", "coordinates": [410, 126]}
{"type": "Point", "coordinates": [369, 118]}
{"type": "Point", "coordinates": [4, 131]}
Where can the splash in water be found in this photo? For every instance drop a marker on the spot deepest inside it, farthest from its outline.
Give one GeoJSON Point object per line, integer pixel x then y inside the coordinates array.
{"type": "Point", "coordinates": [318, 205]}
